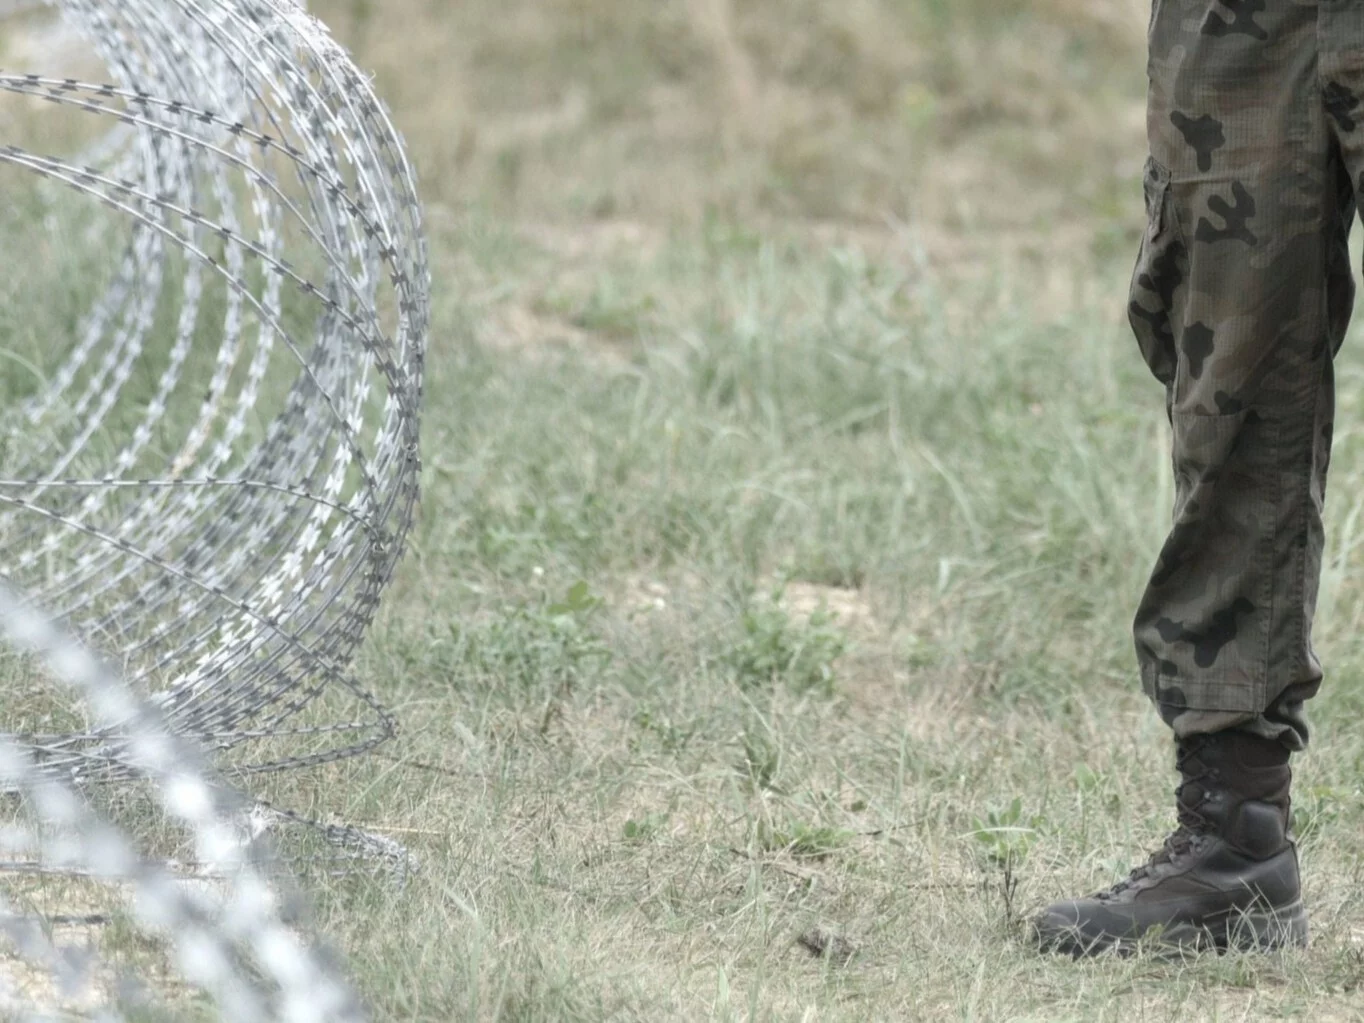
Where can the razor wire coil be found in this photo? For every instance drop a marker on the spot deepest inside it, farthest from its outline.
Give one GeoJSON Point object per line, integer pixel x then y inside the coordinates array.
{"type": "Point", "coordinates": [233, 579]}
{"type": "Point", "coordinates": [210, 478]}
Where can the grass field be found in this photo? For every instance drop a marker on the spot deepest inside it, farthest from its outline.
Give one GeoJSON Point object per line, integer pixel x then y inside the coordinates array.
{"type": "Point", "coordinates": [762, 652]}
{"type": "Point", "coordinates": [791, 479]}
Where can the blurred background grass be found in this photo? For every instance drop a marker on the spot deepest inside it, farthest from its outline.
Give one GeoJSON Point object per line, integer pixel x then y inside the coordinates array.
{"type": "Point", "coordinates": [957, 114]}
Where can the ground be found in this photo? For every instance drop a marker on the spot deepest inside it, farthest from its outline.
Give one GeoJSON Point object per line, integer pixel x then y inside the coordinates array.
{"type": "Point", "coordinates": [762, 652]}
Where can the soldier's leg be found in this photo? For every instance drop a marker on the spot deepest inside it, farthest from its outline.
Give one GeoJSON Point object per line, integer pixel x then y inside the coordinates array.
{"type": "Point", "coordinates": [1241, 298]}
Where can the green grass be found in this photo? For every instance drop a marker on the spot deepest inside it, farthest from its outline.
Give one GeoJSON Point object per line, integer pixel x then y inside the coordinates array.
{"type": "Point", "coordinates": [791, 477]}
{"type": "Point", "coordinates": [777, 613]}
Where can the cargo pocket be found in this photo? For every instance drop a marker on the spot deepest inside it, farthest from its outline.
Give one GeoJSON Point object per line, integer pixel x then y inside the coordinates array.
{"type": "Point", "coordinates": [1162, 267]}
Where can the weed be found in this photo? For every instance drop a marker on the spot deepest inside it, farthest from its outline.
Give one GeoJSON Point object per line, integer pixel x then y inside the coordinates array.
{"type": "Point", "coordinates": [1005, 837]}
{"type": "Point", "coordinates": [671, 736]}
{"type": "Point", "coordinates": [544, 648]}
{"type": "Point", "coordinates": [644, 829]}
{"type": "Point", "coordinates": [762, 760]}
{"type": "Point", "coordinates": [1315, 808]}
{"type": "Point", "coordinates": [775, 648]}
{"type": "Point", "coordinates": [800, 839]}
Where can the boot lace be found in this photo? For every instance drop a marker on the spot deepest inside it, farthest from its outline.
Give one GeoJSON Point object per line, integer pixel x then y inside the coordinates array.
{"type": "Point", "coordinates": [1192, 824]}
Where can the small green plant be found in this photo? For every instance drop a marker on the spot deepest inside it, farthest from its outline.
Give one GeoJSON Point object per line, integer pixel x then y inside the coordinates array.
{"type": "Point", "coordinates": [608, 312]}
{"type": "Point", "coordinates": [806, 841]}
{"type": "Point", "coordinates": [545, 647]}
{"type": "Point", "coordinates": [671, 736]}
{"type": "Point", "coordinates": [646, 828]}
{"type": "Point", "coordinates": [1315, 808]}
{"type": "Point", "coordinates": [579, 601]}
{"type": "Point", "coordinates": [1087, 779]}
{"type": "Point", "coordinates": [1005, 837]}
{"type": "Point", "coordinates": [1096, 790]}
{"type": "Point", "coordinates": [776, 648]}
{"type": "Point", "coordinates": [762, 761]}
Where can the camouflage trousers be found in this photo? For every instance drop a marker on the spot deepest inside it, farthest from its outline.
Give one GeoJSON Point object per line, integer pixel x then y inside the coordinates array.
{"type": "Point", "coordinates": [1240, 301]}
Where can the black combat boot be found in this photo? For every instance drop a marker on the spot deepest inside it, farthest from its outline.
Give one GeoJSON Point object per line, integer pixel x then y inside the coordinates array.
{"type": "Point", "coordinates": [1227, 877]}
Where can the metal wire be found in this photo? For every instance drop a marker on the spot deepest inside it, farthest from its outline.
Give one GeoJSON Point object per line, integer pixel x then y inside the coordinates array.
{"type": "Point", "coordinates": [211, 477]}
{"type": "Point", "coordinates": [217, 479]}
{"type": "Point", "coordinates": [236, 946]}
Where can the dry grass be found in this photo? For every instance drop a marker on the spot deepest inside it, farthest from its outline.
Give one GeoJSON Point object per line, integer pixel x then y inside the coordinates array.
{"type": "Point", "coordinates": [644, 806]}
{"type": "Point", "coordinates": [962, 115]}
{"type": "Point", "coordinates": [733, 291]}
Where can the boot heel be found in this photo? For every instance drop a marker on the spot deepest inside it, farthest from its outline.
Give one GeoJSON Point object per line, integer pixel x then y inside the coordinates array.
{"type": "Point", "coordinates": [1266, 930]}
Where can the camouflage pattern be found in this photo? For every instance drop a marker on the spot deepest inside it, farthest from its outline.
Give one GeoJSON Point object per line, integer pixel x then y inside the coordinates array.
{"type": "Point", "coordinates": [1240, 300]}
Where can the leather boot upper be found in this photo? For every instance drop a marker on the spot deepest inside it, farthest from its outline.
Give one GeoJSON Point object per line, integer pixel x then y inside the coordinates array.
{"type": "Point", "coordinates": [1231, 853]}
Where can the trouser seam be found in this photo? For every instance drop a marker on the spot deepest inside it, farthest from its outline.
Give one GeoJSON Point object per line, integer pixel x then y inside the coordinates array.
{"type": "Point", "coordinates": [1267, 555]}
{"type": "Point", "coordinates": [1308, 470]}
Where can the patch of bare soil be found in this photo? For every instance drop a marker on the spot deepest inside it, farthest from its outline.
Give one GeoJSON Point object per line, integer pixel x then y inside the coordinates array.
{"type": "Point", "coordinates": [643, 596]}
{"type": "Point", "coordinates": [597, 239]}
{"type": "Point", "coordinates": [515, 328]}
{"type": "Point", "coordinates": [850, 608]}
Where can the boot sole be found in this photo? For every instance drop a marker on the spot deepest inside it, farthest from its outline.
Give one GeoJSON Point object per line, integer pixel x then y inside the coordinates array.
{"type": "Point", "coordinates": [1270, 929]}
